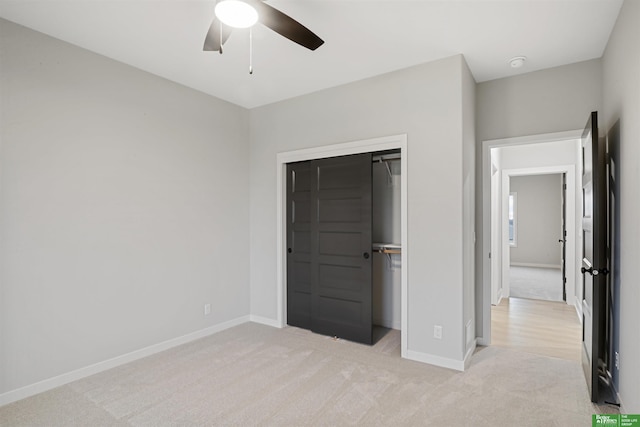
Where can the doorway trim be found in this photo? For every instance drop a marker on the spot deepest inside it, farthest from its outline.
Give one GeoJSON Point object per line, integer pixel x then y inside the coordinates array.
{"type": "Point", "coordinates": [392, 142]}
{"type": "Point", "coordinates": [487, 145]}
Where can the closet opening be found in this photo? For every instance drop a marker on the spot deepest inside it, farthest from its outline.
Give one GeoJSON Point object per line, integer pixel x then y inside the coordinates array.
{"type": "Point", "coordinates": [385, 314]}
{"type": "Point", "coordinates": [344, 246]}
{"type": "Point", "coordinates": [387, 246]}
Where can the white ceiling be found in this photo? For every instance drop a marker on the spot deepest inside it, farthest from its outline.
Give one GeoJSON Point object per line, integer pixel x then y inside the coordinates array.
{"type": "Point", "coordinates": [362, 39]}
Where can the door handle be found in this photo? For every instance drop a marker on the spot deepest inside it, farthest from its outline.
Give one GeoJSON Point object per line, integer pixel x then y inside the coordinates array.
{"type": "Point", "coordinates": [595, 271]}
{"type": "Point", "coordinates": [366, 255]}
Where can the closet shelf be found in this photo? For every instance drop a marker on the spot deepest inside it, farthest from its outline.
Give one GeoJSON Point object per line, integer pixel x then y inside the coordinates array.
{"type": "Point", "coordinates": [387, 248]}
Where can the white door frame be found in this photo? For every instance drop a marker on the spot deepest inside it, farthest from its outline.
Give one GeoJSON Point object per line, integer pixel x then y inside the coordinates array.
{"type": "Point", "coordinates": [496, 235]}
{"type": "Point", "coordinates": [343, 149]}
{"type": "Point", "coordinates": [487, 145]}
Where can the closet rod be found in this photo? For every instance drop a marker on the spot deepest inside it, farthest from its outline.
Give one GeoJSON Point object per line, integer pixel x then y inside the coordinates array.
{"type": "Point", "coordinates": [387, 248]}
{"type": "Point", "coordinates": [385, 157]}
{"type": "Point", "coordinates": [387, 251]}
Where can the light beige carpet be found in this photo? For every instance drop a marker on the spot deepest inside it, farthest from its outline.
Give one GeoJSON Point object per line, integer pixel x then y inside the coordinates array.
{"type": "Point", "coordinates": [256, 375]}
{"type": "Point", "coordinates": [535, 283]}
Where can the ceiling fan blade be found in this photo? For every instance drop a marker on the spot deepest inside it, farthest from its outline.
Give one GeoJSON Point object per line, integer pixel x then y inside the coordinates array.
{"type": "Point", "coordinates": [212, 40]}
{"type": "Point", "coordinates": [286, 26]}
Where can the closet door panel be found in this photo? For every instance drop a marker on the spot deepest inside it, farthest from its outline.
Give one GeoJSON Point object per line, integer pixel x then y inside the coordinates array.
{"type": "Point", "coordinates": [299, 282]}
{"type": "Point", "coordinates": [341, 247]}
{"type": "Point", "coordinates": [336, 243]}
{"type": "Point", "coordinates": [345, 278]}
{"type": "Point", "coordinates": [340, 211]}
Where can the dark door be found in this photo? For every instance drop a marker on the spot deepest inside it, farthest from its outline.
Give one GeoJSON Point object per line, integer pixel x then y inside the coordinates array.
{"type": "Point", "coordinates": [595, 266]}
{"type": "Point", "coordinates": [341, 247]}
{"type": "Point", "coordinates": [329, 284]}
{"type": "Point", "coordinates": [563, 240]}
{"type": "Point", "coordinates": [299, 244]}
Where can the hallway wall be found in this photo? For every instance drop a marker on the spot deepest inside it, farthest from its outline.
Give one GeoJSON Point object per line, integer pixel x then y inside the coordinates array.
{"type": "Point", "coordinates": [539, 220]}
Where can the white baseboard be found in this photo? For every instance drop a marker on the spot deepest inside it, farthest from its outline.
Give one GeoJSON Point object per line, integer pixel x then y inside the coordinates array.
{"type": "Point", "coordinates": [265, 321]}
{"type": "Point", "coordinates": [578, 312]}
{"type": "Point", "coordinates": [60, 380]}
{"type": "Point", "coordinates": [531, 264]}
{"type": "Point", "coordinates": [443, 362]}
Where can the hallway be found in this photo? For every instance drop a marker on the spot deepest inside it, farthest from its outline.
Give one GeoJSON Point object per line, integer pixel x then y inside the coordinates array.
{"type": "Point", "coordinates": [541, 327]}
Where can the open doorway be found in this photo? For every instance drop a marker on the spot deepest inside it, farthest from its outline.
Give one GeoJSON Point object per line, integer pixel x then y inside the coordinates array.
{"type": "Point", "coordinates": [537, 235]}
{"type": "Point", "coordinates": [540, 237]}
{"type": "Point", "coordinates": [510, 318]}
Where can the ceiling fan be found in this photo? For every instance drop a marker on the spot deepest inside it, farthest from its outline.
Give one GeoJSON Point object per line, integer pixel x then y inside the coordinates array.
{"type": "Point", "coordinates": [231, 14]}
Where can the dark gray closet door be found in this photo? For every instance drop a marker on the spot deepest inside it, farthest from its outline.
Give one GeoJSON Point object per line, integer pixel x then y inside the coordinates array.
{"type": "Point", "coordinates": [341, 260]}
{"type": "Point", "coordinates": [299, 244]}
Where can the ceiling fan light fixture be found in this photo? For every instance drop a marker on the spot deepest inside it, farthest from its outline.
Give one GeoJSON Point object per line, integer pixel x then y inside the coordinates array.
{"type": "Point", "coordinates": [236, 13]}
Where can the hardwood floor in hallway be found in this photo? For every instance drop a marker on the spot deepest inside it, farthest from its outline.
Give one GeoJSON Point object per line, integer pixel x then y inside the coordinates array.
{"type": "Point", "coordinates": [541, 327]}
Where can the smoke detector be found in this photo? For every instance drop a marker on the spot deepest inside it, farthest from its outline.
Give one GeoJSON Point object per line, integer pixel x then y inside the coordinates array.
{"type": "Point", "coordinates": [517, 62]}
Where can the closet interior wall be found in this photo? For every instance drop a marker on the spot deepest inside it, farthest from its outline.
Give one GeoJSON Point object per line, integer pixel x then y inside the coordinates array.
{"type": "Point", "coordinates": [386, 229]}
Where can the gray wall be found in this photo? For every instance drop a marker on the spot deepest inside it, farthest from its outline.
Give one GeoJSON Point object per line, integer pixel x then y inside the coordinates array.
{"type": "Point", "coordinates": [425, 102]}
{"type": "Point", "coordinates": [123, 209]}
{"type": "Point", "coordinates": [621, 69]}
{"type": "Point", "coordinates": [539, 220]}
{"type": "Point", "coordinates": [553, 100]}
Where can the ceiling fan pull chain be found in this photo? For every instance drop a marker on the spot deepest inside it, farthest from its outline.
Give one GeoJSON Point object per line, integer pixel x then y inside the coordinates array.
{"type": "Point", "coordinates": [250, 51]}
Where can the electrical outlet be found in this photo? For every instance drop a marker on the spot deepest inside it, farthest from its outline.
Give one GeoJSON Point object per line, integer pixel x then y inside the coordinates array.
{"type": "Point", "coordinates": [207, 309]}
{"type": "Point", "coordinates": [617, 360]}
{"type": "Point", "coordinates": [437, 331]}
